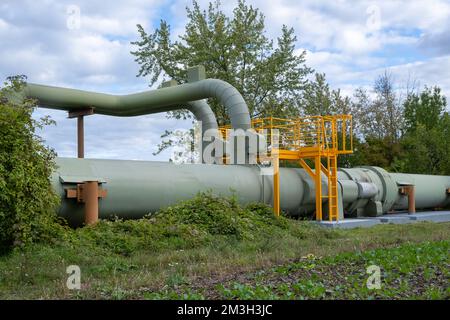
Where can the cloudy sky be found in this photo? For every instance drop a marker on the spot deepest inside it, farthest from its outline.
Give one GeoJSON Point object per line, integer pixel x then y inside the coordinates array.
{"type": "Point", "coordinates": [85, 44]}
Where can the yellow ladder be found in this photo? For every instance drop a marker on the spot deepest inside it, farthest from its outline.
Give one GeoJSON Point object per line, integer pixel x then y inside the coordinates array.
{"type": "Point", "coordinates": [333, 209]}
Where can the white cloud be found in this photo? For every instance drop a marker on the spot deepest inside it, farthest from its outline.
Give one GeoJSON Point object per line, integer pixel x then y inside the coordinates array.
{"type": "Point", "coordinates": [36, 41]}
{"type": "Point", "coordinates": [428, 72]}
{"type": "Point", "coordinates": [351, 41]}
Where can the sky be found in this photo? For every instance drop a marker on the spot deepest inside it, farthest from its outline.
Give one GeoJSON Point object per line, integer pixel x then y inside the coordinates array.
{"type": "Point", "coordinates": [85, 44]}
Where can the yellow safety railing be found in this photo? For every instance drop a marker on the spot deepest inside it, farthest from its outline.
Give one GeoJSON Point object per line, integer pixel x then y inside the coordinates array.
{"type": "Point", "coordinates": [326, 132]}
{"type": "Point", "coordinates": [318, 138]}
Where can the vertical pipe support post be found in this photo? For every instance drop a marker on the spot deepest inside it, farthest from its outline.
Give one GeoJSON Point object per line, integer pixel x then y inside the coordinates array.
{"type": "Point", "coordinates": [409, 191]}
{"type": "Point", "coordinates": [79, 114]}
{"type": "Point", "coordinates": [90, 197]}
{"type": "Point", "coordinates": [80, 136]}
{"type": "Point", "coordinates": [88, 193]}
{"type": "Point", "coordinates": [276, 182]}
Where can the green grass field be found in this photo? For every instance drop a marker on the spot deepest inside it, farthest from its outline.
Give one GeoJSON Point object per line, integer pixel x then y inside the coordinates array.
{"type": "Point", "coordinates": [210, 248]}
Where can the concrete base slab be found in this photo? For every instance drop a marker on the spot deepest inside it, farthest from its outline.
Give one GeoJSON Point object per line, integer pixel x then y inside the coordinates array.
{"type": "Point", "coordinates": [433, 216]}
{"type": "Point", "coordinates": [349, 223]}
{"type": "Point", "coordinates": [398, 218]}
{"type": "Point", "coordinates": [394, 220]}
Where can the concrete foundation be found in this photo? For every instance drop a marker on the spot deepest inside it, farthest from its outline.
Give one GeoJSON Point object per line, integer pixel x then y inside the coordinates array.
{"type": "Point", "coordinates": [398, 218]}
{"type": "Point", "coordinates": [349, 223]}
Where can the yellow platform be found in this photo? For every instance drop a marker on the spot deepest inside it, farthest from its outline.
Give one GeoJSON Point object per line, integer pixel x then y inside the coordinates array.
{"type": "Point", "coordinates": [318, 140]}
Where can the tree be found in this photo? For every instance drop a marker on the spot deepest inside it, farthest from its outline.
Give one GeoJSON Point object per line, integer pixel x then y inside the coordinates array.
{"type": "Point", "coordinates": [427, 132]}
{"type": "Point", "coordinates": [316, 99]}
{"type": "Point", "coordinates": [379, 123]}
{"type": "Point", "coordinates": [382, 116]}
{"type": "Point", "coordinates": [425, 109]}
{"type": "Point", "coordinates": [388, 109]}
{"type": "Point", "coordinates": [361, 103]}
{"type": "Point", "coordinates": [27, 200]}
{"type": "Point", "coordinates": [319, 99]}
{"type": "Point", "coordinates": [234, 49]}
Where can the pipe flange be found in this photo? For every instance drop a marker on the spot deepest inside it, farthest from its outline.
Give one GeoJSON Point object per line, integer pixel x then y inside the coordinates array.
{"type": "Point", "coordinates": [390, 189]}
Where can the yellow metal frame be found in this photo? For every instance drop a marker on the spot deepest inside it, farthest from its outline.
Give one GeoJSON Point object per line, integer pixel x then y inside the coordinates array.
{"type": "Point", "coordinates": [316, 138]}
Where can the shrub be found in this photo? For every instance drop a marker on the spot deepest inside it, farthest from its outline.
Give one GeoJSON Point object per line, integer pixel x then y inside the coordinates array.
{"type": "Point", "coordinates": [27, 201]}
{"type": "Point", "coordinates": [221, 216]}
{"type": "Point", "coordinates": [203, 220]}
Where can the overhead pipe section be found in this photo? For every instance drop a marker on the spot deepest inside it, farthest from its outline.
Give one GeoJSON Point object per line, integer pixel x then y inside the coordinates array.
{"type": "Point", "coordinates": [147, 102]}
{"type": "Point", "coordinates": [168, 98]}
{"type": "Point", "coordinates": [202, 112]}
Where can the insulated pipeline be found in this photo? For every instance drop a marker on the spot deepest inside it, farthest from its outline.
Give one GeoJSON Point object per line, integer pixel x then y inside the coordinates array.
{"type": "Point", "coordinates": [136, 188]}
{"type": "Point", "coordinates": [147, 102]}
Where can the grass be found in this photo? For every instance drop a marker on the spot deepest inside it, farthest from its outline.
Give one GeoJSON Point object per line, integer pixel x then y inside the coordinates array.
{"type": "Point", "coordinates": [410, 271]}
{"type": "Point", "coordinates": [210, 247]}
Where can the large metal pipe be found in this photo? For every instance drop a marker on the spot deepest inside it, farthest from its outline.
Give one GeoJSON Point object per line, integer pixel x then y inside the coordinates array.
{"type": "Point", "coordinates": [202, 112]}
{"type": "Point", "coordinates": [136, 188]}
{"type": "Point", "coordinates": [200, 109]}
{"type": "Point", "coordinates": [153, 101]}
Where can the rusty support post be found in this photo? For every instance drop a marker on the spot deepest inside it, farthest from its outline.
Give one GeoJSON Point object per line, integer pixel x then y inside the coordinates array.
{"type": "Point", "coordinates": [80, 136]}
{"type": "Point", "coordinates": [88, 193]}
{"type": "Point", "coordinates": [79, 114]}
{"type": "Point", "coordinates": [409, 191]}
{"type": "Point", "coordinates": [90, 196]}
{"type": "Point", "coordinates": [411, 200]}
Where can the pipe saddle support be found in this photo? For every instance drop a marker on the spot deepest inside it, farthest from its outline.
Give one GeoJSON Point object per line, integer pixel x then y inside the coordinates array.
{"type": "Point", "coordinates": [409, 191]}
{"type": "Point", "coordinates": [88, 193]}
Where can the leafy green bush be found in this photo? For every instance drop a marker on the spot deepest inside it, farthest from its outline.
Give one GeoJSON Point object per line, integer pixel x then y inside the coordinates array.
{"type": "Point", "coordinates": [212, 214]}
{"type": "Point", "coordinates": [202, 220]}
{"type": "Point", "coordinates": [221, 216]}
{"type": "Point", "coordinates": [27, 201]}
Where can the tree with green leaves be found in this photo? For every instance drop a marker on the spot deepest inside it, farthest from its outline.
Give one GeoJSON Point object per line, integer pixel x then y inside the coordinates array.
{"type": "Point", "coordinates": [269, 75]}
{"type": "Point", "coordinates": [425, 109]}
{"type": "Point", "coordinates": [27, 200]}
{"type": "Point", "coordinates": [319, 99]}
{"type": "Point", "coordinates": [380, 117]}
{"type": "Point", "coordinates": [427, 131]}
{"type": "Point", "coordinates": [378, 120]}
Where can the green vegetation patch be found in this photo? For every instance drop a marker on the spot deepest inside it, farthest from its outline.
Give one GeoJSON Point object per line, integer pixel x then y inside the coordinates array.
{"type": "Point", "coordinates": [27, 200]}
{"type": "Point", "coordinates": [203, 220]}
{"type": "Point", "coordinates": [410, 271]}
{"type": "Point", "coordinates": [168, 256]}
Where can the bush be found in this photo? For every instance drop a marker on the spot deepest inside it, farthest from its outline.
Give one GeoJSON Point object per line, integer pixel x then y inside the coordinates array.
{"type": "Point", "coordinates": [221, 216]}
{"type": "Point", "coordinates": [203, 220]}
{"type": "Point", "coordinates": [27, 200]}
